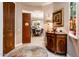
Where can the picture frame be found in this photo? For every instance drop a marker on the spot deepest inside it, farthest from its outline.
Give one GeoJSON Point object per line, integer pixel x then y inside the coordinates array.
{"type": "Point", "coordinates": [58, 18]}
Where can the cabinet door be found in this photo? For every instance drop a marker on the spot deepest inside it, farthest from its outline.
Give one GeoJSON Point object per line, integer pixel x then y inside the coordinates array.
{"type": "Point", "coordinates": [53, 43]}
{"type": "Point", "coordinates": [61, 44]}
{"type": "Point", "coordinates": [48, 42]}
{"type": "Point", "coordinates": [8, 26]}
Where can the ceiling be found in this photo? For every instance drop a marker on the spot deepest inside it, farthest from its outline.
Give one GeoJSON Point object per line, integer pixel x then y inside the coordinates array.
{"type": "Point", "coordinates": [36, 3]}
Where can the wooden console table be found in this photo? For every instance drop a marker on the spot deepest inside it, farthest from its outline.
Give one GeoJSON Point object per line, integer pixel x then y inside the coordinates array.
{"type": "Point", "coordinates": [57, 42]}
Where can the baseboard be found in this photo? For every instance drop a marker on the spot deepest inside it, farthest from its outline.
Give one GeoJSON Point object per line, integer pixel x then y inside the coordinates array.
{"type": "Point", "coordinates": [18, 44]}
{"type": "Point", "coordinates": [68, 55]}
{"type": "Point", "coordinates": [1, 54]}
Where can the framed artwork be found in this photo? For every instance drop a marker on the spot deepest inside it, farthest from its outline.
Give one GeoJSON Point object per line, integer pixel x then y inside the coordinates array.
{"type": "Point", "coordinates": [58, 18]}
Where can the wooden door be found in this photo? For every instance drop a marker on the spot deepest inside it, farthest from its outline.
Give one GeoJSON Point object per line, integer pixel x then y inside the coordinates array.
{"type": "Point", "coordinates": [26, 30]}
{"type": "Point", "coordinates": [8, 26]}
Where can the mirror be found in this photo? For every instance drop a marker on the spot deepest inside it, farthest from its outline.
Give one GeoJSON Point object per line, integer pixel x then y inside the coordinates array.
{"type": "Point", "coordinates": [73, 18]}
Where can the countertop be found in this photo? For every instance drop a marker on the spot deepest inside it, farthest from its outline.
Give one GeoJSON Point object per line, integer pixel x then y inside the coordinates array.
{"type": "Point", "coordinates": [57, 32]}
{"type": "Point", "coordinates": [69, 34]}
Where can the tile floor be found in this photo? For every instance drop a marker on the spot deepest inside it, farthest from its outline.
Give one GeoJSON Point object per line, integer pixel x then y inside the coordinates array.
{"type": "Point", "coordinates": [50, 54]}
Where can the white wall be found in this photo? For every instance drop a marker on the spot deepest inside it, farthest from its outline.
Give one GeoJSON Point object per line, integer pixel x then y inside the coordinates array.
{"type": "Point", "coordinates": [49, 9]}
{"type": "Point", "coordinates": [1, 28]}
{"type": "Point", "coordinates": [18, 24]}
{"type": "Point", "coordinates": [78, 25]}
{"type": "Point", "coordinates": [19, 8]}
{"type": "Point", "coordinates": [65, 7]}
{"type": "Point", "coordinates": [77, 19]}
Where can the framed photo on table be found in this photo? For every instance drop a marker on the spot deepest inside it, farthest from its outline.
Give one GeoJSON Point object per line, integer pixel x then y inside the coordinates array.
{"type": "Point", "coordinates": [58, 18]}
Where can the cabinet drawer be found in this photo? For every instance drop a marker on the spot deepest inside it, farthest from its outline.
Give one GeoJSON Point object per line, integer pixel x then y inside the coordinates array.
{"type": "Point", "coordinates": [53, 35]}
{"type": "Point", "coordinates": [61, 36]}
{"type": "Point", "coordinates": [48, 35]}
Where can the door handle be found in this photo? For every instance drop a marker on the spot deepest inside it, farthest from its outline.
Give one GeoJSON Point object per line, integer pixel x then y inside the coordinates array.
{"type": "Point", "coordinates": [26, 24]}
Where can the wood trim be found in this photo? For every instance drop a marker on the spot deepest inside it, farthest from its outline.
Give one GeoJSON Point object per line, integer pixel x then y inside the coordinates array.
{"type": "Point", "coordinates": [18, 45]}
